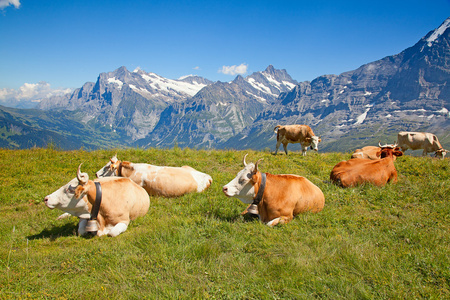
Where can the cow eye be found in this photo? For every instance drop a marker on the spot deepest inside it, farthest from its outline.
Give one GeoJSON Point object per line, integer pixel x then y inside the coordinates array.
{"type": "Point", "coordinates": [71, 189]}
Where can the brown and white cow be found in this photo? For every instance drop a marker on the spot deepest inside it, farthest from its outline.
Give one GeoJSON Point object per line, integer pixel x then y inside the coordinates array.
{"type": "Point", "coordinates": [369, 152]}
{"type": "Point", "coordinates": [122, 201]}
{"type": "Point", "coordinates": [283, 197]}
{"type": "Point", "coordinates": [293, 134]}
{"type": "Point", "coordinates": [156, 180]}
{"type": "Point", "coordinates": [358, 171]}
{"type": "Point", "coordinates": [421, 140]}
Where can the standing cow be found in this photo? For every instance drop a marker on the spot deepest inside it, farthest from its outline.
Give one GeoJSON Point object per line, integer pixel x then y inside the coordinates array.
{"type": "Point", "coordinates": [278, 197]}
{"type": "Point", "coordinates": [156, 180]}
{"type": "Point", "coordinates": [421, 140]}
{"type": "Point", "coordinates": [293, 134]}
{"type": "Point", "coordinates": [358, 171]}
{"type": "Point", "coordinates": [122, 201]}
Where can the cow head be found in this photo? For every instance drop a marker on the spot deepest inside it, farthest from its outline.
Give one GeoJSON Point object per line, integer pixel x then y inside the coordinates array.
{"type": "Point", "coordinates": [441, 153]}
{"type": "Point", "coordinates": [389, 151]}
{"type": "Point", "coordinates": [110, 168]}
{"type": "Point", "coordinates": [314, 142]}
{"type": "Point", "coordinates": [65, 199]}
{"type": "Point", "coordinates": [241, 186]}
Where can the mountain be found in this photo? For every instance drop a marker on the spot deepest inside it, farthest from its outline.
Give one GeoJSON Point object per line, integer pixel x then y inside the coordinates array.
{"type": "Point", "coordinates": [219, 111]}
{"type": "Point", "coordinates": [128, 102]}
{"type": "Point", "coordinates": [407, 91]}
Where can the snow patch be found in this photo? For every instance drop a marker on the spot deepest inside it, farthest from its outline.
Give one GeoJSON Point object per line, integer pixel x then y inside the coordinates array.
{"type": "Point", "coordinates": [360, 119]}
{"type": "Point", "coordinates": [116, 81]}
{"type": "Point", "coordinates": [438, 32]}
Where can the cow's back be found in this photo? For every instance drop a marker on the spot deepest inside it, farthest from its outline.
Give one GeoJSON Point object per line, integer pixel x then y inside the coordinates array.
{"type": "Point", "coordinates": [415, 140]}
{"type": "Point", "coordinates": [358, 171]}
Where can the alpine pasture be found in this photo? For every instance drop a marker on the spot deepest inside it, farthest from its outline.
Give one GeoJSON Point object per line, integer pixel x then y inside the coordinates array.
{"type": "Point", "coordinates": [369, 242]}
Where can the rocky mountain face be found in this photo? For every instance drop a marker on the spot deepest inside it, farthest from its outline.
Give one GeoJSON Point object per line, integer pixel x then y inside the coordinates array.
{"type": "Point", "coordinates": [219, 111]}
{"type": "Point", "coordinates": [126, 102]}
{"type": "Point", "coordinates": [406, 91]}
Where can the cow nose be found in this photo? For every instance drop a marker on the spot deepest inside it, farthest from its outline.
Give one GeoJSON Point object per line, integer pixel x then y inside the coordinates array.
{"type": "Point", "coordinates": [46, 200]}
{"type": "Point", "coordinates": [225, 189]}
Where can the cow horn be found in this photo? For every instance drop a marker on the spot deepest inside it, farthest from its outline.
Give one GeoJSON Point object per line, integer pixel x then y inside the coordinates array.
{"type": "Point", "coordinates": [243, 161]}
{"type": "Point", "coordinates": [82, 177]}
{"type": "Point", "coordinates": [256, 164]}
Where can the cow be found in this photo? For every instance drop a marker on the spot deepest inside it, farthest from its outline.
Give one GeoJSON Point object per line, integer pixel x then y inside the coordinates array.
{"type": "Point", "coordinates": [358, 171]}
{"type": "Point", "coordinates": [421, 140]}
{"type": "Point", "coordinates": [122, 201]}
{"type": "Point", "coordinates": [278, 200]}
{"type": "Point", "coordinates": [368, 152]}
{"type": "Point", "coordinates": [302, 134]}
{"type": "Point", "coordinates": [156, 180]}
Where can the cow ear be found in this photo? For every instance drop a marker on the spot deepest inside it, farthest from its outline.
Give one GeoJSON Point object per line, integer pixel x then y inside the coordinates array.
{"type": "Point", "coordinates": [398, 153]}
{"type": "Point", "coordinates": [308, 139]}
{"type": "Point", "coordinates": [320, 139]}
{"type": "Point", "coordinates": [378, 153]}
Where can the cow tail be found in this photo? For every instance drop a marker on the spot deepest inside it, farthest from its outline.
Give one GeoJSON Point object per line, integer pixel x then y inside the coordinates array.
{"type": "Point", "coordinates": [276, 127]}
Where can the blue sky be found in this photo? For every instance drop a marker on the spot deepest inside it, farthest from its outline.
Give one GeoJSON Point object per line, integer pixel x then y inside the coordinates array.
{"type": "Point", "coordinates": [67, 43]}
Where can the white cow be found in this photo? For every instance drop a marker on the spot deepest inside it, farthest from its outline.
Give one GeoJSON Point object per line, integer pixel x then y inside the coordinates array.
{"type": "Point", "coordinates": [156, 180]}
{"type": "Point", "coordinates": [421, 140]}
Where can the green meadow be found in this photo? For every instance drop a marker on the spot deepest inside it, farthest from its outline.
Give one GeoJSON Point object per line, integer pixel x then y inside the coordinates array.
{"type": "Point", "coordinates": [369, 242]}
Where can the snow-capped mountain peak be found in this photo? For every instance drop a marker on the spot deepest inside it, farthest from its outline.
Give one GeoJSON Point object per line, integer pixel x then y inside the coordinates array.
{"type": "Point", "coordinates": [438, 32]}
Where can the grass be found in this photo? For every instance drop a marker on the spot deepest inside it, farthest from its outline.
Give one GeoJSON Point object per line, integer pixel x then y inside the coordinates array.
{"type": "Point", "coordinates": [367, 243]}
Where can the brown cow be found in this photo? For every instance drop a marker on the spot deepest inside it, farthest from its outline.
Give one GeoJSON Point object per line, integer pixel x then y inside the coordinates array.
{"type": "Point", "coordinates": [357, 171]}
{"type": "Point", "coordinates": [302, 134]}
{"type": "Point", "coordinates": [281, 197]}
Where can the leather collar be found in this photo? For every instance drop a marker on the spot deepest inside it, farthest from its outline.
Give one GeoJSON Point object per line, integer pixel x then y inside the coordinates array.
{"type": "Point", "coordinates": [261, 189]}
{"type": "Point", "coordinates": [98, 200]}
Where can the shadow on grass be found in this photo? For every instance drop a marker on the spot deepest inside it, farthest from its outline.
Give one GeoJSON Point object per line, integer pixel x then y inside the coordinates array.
{"type": "Point", "coordinates": [56, 232]}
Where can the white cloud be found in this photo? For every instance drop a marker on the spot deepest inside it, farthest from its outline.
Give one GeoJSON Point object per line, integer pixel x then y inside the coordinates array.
{"type": "Point", "coordinates": [233, 70]}
{"type": "Point", "coordinates": [197, 68]}
{"type": "Point", "coordinates": [30, 92]}
{"type": "Point", "coordinates": [6, 3]}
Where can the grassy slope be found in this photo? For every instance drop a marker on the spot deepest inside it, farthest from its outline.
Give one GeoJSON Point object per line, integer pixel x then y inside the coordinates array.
{"type": "Point", "coordinates": [390, 242]}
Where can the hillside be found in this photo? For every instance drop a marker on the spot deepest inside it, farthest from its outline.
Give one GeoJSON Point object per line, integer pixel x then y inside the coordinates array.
{"type": "Point", "coordinates": [367, 243]}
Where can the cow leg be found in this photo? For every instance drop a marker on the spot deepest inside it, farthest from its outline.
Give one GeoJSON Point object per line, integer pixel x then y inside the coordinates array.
{"type": "Point", "coordinates": [424, 153]}
{"type": "Point", "coordinates": [118, 229]}
{"type": "Point", "coordinates": [279, 220]}
{"type": "Point", "coordinates": [304, 149]}
{"type": "Point", "coordinates": [277, 146]}
{"type": "Point", "coordinates": [285, 148]}
{"type": "Point", "coordinates": [63, 216]}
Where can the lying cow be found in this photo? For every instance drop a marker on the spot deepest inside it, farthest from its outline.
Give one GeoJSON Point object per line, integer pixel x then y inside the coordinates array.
{"type": "Point", "coordinates": [281, 197]}
{"type": "Point", "coordinates": [158, 181]}
{"type": "Point", "coordinates": [122, 201]}
{"type": "Point", "coordinates": [421, 140]}
{"type": "Point", "coordinates": [293, 134]}
{"type": "Point", "coordinates": [358, 171]}
{"type": "Point", "coordinates": [369, 152]}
